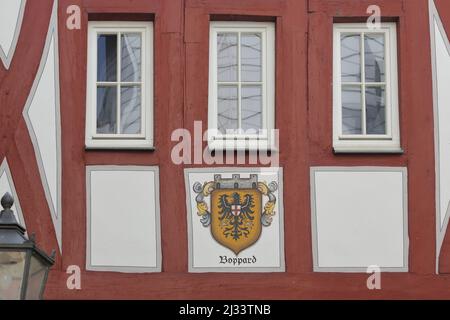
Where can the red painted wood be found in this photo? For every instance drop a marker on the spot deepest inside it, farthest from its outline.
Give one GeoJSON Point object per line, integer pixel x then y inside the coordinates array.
{"type": "Point", "coordinates": [15, 86]}
{"type": "Point", "coordinates": [249, 286]}
{"type": "Point", "coordinates": [304, 117]}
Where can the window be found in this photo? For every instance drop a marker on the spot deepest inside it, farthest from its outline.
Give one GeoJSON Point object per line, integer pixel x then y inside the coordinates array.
{"type": "Point", "coordinates": [365, 98]}
{"type": "Point", "coordinates": [241, 85]}
{"type": "Point", "coordinates": [119, 111]}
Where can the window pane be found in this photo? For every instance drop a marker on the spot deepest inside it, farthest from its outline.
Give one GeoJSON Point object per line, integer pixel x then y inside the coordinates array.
{"type": "Point", "coordinates": [374, 57]}
{"type": "Point", "coordinates": [130, 110]}
{"type": "Point", "coordinates": [107, 109]}
{"type": "Point", "coordinates": [227, 108]}
{"type": "Point", "coordinates": [107, 57]}
{"type": "Point", "coordinates": [375, 110]}
{"type": "Point", "coordinates": [351, 58]}
{"type": "Point", "coordinates": [131, 57]}
{"type": "Point", "coordinates": [251, 107]}
{"type": "Point", "coordinates": [227, 53]}
{"type": "Point", "coordinates": [251, 57]}
{"type": "Point", "coordinates": [351, 110]}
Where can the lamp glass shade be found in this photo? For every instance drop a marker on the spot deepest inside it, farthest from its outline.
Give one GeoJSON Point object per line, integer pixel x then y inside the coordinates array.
{"type": "Point", "coordinates": [36, 277]}
{"type": "Point", "coordinates": [12, 266]}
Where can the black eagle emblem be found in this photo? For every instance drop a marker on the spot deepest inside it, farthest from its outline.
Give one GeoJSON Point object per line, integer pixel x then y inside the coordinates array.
{"type": "Point", "coordinates": [236, 214]}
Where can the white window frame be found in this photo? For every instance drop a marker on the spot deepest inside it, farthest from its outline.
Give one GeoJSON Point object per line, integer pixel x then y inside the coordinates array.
{"type": "Point", "coordinates": [265, 140]}
{"type": "Point", "coordinates": [120, 141]}
{"type": "Point", "coordinates": [364, 143]}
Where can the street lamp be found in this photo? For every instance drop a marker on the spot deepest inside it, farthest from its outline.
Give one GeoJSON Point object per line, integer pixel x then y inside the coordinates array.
{"type": "Point", "coordinates": [23, 266]}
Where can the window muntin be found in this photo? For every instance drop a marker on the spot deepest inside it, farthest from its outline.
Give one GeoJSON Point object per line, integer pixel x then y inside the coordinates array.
{"type": "Point", "coordinates": [241, 94]}
{"type": "Point", "coordinates": [120, 80]}
{"type": "Point", "coordinates": [365, 88]}
{"type": "Point", "coordinates": [119, 101]}
{"type": "Point", "coordinates": [239, 81]}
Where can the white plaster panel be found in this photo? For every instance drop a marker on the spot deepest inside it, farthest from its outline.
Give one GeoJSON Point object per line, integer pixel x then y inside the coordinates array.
{"type": "Point", "coordinates": [359, 219]}
{"type": "Point", "coordinates": [443, 104]}
{"type": "Point", "coordinates": [11, 15]}
{"type": "Point", "coordinates": [123, 219]}
{"type": "Point", "coordinates": [440, 54]}
{"type": "Point", "coordinates": [42, 113]}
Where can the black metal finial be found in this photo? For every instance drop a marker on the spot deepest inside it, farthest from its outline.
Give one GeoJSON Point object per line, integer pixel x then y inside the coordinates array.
{"type": "Point", "coordinates": [7, 201]}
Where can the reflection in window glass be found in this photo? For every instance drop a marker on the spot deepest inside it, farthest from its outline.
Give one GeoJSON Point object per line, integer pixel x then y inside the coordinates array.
{"type": "Point", "coordinates": [240, 83]}
{"type": "Point", "coordinates": [351, 58]}
{"type": "Point", "coordinates": [374, 57]}
{"type": "Point", "coordinates": [131, 57]}
{"type": "Point", "coordinates": [351, 110]}
{"type": "Point", "coordinates": [107, 58]}
{"type": "Point", "coordinates": [251, 108]}
{"type": "Point", "coordinates": [353, 102]}
{"type": "Point", "coordinates": [366, 115]}
{"type": "Point", "coordinates": [227, 108]}
{"type": "Point", "coordinates": [227, 57]}
{"type": "Point", "coordinates": [127, 91]}
{"type": "Point", "coordinates": [375, 110]}
{"type": "Point", "coordinates": [130, 110]}
{"type": "Point", "coordinates": [251, 55]}
{"type": "Point", "coordinates": [107, 110]}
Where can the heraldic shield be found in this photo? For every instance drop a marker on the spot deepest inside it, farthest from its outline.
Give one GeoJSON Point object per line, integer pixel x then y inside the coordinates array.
{"type": "Point", "coordinates": [237, 212]}
{"type": "Point", "coordinates": [236, 217]}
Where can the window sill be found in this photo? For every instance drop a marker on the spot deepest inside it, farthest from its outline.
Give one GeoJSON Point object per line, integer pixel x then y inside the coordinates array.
{"type": "Point", "coordinates": [119, 145]}
{"type": "Point", "coordinates": [119, 148]}
{"type": "Point", "coordinates": [241, 145]}
{"type": "Point", "coordinates": [366, 150]}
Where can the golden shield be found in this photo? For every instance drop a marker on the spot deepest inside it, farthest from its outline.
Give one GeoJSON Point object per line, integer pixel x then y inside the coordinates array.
{"type": "Point", "coordinates": [237, 213]}
{"type": "Point", "coordinates": [236, 217]}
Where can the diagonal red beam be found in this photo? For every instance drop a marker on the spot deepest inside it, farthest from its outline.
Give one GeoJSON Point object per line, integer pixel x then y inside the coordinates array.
{"type": "Point", "coordinates": [15, 141]}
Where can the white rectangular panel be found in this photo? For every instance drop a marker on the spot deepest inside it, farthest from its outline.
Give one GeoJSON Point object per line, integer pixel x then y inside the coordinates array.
{"type": "Point", "coordinates": [123, 219]}
{"type": "Point", "coordinates": [359, 219]}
